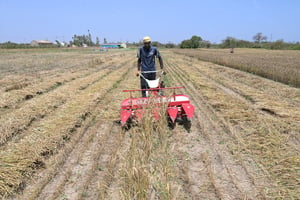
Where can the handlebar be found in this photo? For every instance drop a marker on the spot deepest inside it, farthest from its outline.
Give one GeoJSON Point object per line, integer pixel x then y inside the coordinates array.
{"type": "Point", "coordinates": [142, 72]}
{"type": "Point", "coordinates": [152, 71]}
{"type": "Point", "coordinates": [146, 72]}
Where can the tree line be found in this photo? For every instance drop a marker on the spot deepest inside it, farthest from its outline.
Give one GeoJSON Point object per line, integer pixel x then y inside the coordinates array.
{"type": "Point", "coordinates": [259, 41]}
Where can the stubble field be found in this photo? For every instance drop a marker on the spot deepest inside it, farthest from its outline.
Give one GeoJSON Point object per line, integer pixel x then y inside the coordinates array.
{"type": "Point", "coordinates": [59, 139]}
{"type": "Point", "coordinates": [278, 65]}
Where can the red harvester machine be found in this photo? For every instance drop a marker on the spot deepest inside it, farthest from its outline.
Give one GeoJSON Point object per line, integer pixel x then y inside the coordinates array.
{"type": "Point", "coordinates": [178, 109]}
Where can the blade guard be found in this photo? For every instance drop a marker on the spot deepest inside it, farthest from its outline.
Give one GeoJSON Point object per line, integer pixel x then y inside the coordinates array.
{"type": "Point", "coordinates": [172, 111]}
{"type": "Point", "coordinates": [139, 115]}
{"type": "Point", "coordinates": [155, 113]}
{"type": "Point", "coordinates": [188, 109]}
{"type": "Point", "coordinates": [124, 115]}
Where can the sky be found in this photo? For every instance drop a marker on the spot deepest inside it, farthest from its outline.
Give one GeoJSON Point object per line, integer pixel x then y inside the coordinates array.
{"type": "Point", "coordinates": [22, 21]}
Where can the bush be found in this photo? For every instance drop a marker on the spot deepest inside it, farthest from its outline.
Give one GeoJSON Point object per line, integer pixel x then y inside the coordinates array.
{"type": "Point", "coordinates": [12, 45]}
{"type": "Point", "coordinates": [295, 46]}
{"type": "Point", "coordinates": [194, 42]}
{"type": "Point", "coordinates": [279, 44]}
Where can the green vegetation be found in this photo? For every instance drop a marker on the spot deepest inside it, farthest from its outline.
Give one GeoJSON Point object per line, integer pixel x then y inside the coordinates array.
{"type": "Point", "coordinates": [12, 45]}
{"type": "Point", "coordinates": [80, 40]}
{"type": "Point", "coordinates": [259, 41]}
{"type": "Point", "coordinates": [231, 42]}
{"type": "Point", "coordinates": [194, 42]}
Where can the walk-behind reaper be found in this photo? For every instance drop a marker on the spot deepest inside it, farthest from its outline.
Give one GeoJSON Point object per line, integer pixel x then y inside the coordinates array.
{"type": "Point", "coordinates": [178, 106]}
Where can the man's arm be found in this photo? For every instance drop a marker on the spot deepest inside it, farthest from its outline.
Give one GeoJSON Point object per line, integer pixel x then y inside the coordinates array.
{"type": "Point", "coordinates": [138, 67]}
{"type": "Point", "coordinates": [161, 63]}
{"type": "Point", "coordinates": [139, 64]}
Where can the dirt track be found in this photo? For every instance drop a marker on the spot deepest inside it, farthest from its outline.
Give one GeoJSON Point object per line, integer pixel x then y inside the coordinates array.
{"type": "Point", "coordinates": [225, 156]}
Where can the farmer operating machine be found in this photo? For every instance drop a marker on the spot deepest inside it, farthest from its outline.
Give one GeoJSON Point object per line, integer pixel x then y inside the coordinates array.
{"type": "Point", "coordinates": [178, 106]}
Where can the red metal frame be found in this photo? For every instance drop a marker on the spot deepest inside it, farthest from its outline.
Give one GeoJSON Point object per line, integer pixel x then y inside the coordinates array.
{"type": "Point", "coordinates": [134, 90]}
{"type": "Point", "coordinates": [178, 105]}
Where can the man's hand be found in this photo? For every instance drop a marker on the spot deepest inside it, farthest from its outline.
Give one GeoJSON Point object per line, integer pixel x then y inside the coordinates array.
{"type": "Point", "coordinates": [138, 73]}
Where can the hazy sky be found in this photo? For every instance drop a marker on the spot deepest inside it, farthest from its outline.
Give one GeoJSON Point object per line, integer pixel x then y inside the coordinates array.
{"type": "Point", "coordinates": [163, 20]}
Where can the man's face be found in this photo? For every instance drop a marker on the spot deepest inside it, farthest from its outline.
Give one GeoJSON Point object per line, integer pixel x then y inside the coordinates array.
{"type": "Point", "coordinates": [147, 45]}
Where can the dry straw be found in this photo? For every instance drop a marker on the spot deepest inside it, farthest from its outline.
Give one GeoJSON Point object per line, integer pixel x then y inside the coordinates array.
{"type": "Point", "coordinates": [259, 133]}
{"type": "Point", "coordinates": [147, 172]}
{"type": "Point", "coordinates": [21, 159]}
{"type": "Point", "coordinates": [279, 65]}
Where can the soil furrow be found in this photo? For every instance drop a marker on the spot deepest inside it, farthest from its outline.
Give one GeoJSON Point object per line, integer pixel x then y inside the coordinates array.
{"type": "Point", "coordinates": [103, 183]}
{"type": "Point", "coordinates": [69, 181]}
{"type": "Point", "coordinates": [14, 123]}
{"type": "Point", "coordinates": [219, 173]}
{"type": "Point", "coordinates": [67, 120]}
{"type": "Point", "coordinates": [12, 100]}
{"type": "Point", "coordinates": [239, 88]}
{"type": "Point", "coordinates": [261, 137]}
{"type": "Point", "coordinates": [83, 158]}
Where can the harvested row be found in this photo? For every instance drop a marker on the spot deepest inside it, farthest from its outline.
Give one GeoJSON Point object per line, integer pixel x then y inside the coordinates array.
{"type": "Point", "coordinates": [147, 169]}
{"type": "Point", "coordinates": [24, 67]}
{"type": "Point", "coordinates": [15, 122]}
{"type": "Point", "coordinates": [72, 180]}
{"type": "Point", "coordinates": [51, 133]}
{"type": "Point", "coordinates": [278, 65]}
{"type": "Point", "coordinates": [28, 86]}
{"type": "Point", "coordinates": [206, 152]}
{"type": "Point", "coordinates": [257, 135]}
{"type": "Point", "coordinates": [252, 88]}
{"type": "Point", "coordinates": [100, 166]}
{"type": "Point", "coordinates": [279, 102]}
{"type": "Point", "coordinates": [45, 64]}
{"type": "Point", "coordinates": [90, 169]}
{"type": "Point", "coordinates": [11, 98]}
{"type": "Point", "coordinates": [105, 181]}
{"type": "Point", "coordinates": [31, 62]}
{"type": "Point", "coordinates": [142, 165]}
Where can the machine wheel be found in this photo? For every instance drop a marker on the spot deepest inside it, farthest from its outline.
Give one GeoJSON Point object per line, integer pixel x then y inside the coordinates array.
{"type": "Point", "coordinates": [171, 125]}
{"type": "Point", "coordinates": [128, 125]}
{"type": "Point", "coordinates": [187, 124]}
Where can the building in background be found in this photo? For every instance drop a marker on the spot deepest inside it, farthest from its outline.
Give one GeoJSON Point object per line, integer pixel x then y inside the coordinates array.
{"type": "Point", "coordinates": [113, 46]}
{"type": "Point", "coordinates": [40, 43]}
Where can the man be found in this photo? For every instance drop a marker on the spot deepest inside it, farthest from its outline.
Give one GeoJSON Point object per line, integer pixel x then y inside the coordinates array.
{"type": "Point", "coordinates": [146, 62]}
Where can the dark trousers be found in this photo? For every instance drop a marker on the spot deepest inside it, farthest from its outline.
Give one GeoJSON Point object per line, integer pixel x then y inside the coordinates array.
{"type": "Point", "coordinates": [144, 85]}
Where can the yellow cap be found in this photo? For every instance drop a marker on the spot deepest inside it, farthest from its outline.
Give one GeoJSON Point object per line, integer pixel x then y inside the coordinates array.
{"type": "Point", "coordinates": [146, 39]}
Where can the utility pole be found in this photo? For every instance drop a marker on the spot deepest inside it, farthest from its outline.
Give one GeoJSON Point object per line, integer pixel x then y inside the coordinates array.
{"type": "Point", "coordinates": [89, 35]}
{"type": "Point", "coordinates": [271, 37]}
